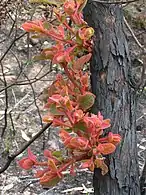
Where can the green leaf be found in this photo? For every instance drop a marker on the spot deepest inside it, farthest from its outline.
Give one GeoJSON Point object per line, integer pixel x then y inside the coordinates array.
{"type": "Point", "coordinates": [54, 111]}
{"type": "Point", "coordinates": [39, 57]}
{"type": "Point", "coordinates": [47, 25]}
{"type": "Point", "coordinates": [86, 101]}
{"type": "Point", "coordinates": [80, 126]}
{"type": "Point", "coordinates": [79, 40]}
{"type": "Point", "coordinates": [57, 153]}
{"type": "Point", "coordinates": [51, 183]}
{"type": "Point", "coordinates": [63, 18]}
{"type": "Point", "coordinates": [68, 130]}
{"type": "Point", "coordinates": [35, 36]}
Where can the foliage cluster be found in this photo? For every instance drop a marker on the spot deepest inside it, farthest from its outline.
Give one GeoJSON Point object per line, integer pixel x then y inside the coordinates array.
{"type": "Point", "coordinates": [69, 98]}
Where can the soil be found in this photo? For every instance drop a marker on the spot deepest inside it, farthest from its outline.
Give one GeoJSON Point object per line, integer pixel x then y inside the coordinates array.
{"type": "Point", "coordinates": [22, 101]}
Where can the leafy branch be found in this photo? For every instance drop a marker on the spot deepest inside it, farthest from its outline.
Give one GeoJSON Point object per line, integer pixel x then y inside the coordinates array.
{"type": "Point", "coordinates": [69, 98]}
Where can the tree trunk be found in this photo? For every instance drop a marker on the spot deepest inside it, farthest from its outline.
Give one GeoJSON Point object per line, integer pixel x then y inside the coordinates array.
{"type": "Point", "coordinates": [110, 67]}
{"type": "Point", "coordinates": [143, 180]}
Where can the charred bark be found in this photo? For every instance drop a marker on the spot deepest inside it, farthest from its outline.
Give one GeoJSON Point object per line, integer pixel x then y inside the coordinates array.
{"type": "Point", "coordinates": [143, 181]}
{"type": "Point", "coordinates": [110, 68]}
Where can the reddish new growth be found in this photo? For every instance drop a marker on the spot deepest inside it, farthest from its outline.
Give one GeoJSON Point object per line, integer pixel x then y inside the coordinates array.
{"type": "Point", "coordinates": [70, 100]}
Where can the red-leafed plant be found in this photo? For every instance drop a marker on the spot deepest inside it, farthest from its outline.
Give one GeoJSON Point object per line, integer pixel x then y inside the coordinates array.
{"type": "Point", "coordinates": [69, 99]}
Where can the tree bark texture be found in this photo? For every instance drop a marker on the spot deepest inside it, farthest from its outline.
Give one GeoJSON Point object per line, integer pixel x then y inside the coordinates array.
{"type": "Point", "coordinates": [110, 67]}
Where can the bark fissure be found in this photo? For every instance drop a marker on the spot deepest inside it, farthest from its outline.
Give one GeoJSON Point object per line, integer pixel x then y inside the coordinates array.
{"type": "Point", "coordinates": [110, 66]}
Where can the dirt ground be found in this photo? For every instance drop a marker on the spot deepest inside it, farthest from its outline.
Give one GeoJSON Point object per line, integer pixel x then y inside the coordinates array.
{"type": "Point", "coordinates": [22, 82]}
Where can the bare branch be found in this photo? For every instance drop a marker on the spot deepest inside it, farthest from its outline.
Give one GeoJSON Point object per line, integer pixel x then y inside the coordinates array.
{"type": "Point", "coordinates": [6, 101]}
{"type": "Point", "coordinates": [142, 53]}
{"type": "Point", "coordinates": [34, 99]}
{"type": "Point", "coordinates": [10, 158]}
{"type": "Point", "coordinates": [10, 46]}
{"type": "Point", "coordinates": [27, 83]}
{"type": "Point", "coordinates": [133, 35]}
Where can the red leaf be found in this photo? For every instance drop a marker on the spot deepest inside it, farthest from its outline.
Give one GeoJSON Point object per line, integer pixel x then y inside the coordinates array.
{"type": "Point", "coordinates": [40, 173]}
{"type": "Point", "coordinates": [20, 162]}
{"type": "Point", "coordinates": [26, 163]}
{"type": "Point", "coordinates": [78, 143]}
{"type": "Point", "coordinates": [54, 98]}
{"type": "Point", "coordinates": [86, 33]}
{"type": "Point", "coordinates": [31, 155]}
{"type": "Point", "coordinates": [60, 29]}
{"type": "Point", "coordinates": [78, 65]}
{"type": "Point", "coordinates": [72, 170]}
{"type": "Point", "coordinates": [53, 167]}
{"type": "Point", "coordinates": [85, 165]}
{"type": "Point", "coordinates": [69, 7]}
{"type": "Point", "coordinates": [64, 135]}
{"type": "Point", "coordinates": [88, 164]}
{"type": "Point", "coordinates": [105, 124]}
{"type": "Point", "coordinates": [100, 116]}
{"type": "Point", "coordinates": [106, 148]}
{"type": "Point", "coordinates": [47, 153]}
{"type": "Point", "coordinates": [114, 138]}
{"type": "Point", "coordinates": [48, 118]}
{"type": "Point", "coordinates": [34, 26]}
{"type": "Point", "coordinates": [99, 163]}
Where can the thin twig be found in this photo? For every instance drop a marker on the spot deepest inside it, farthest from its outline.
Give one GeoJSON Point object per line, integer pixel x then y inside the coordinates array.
{"type": "Point", "coordinates": [30, 182]}
{"type": "Point", "coordinates": [140, 117]}
{"type": "Point", "coordinates": [13, 126]}
{"type": "Point", "coordinates": [34, 99]}
{"type": "Point", "coordinates": [6, 101]}
{"type": "Point", "coordinates": [10, 158]}
{"type": "Point", "coordinates": [40, 71]}
{"type": "Point", "coordinates": [19, 64]}
{"type": "Point", "coordinates": [138, 85]}
{"type": "Point", "coordinates": [26, 83]}
{"type": "Point", "coordinates": [10, 46]}
{"type": "Point", "coordinates": [14, 21]}
{"type": "Point", "coordinates": [133, 35]}
{"type": "Point", "coordinates": [11, 109]}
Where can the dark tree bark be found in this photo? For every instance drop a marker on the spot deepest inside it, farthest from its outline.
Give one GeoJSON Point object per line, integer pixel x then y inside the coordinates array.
{"type": "Point", "coordinates": [115, 98]}
{"type": "Point", "coordinates": [143, 180]}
